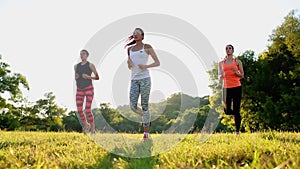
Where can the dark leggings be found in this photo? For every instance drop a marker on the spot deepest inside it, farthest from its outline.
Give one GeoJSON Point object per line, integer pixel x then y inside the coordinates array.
{"type": "Point", "coordinates": [234, 97]}
{"type": "Point", "coordinates": [88, 93]}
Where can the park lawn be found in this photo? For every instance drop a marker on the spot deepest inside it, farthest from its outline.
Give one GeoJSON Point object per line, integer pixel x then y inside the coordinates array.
{"type": "Point", "coordinates": [222, 150]}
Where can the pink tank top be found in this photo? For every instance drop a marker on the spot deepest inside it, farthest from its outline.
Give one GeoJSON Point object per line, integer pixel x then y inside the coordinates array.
{"type": "Point", "coordinates": [230, 79]}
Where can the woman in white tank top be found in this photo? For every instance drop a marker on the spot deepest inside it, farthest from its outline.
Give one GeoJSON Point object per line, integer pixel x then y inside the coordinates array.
{"type": "Point", "coordinates": [139, 57]}
{"type": "Point", "coordinates": [138, 54]}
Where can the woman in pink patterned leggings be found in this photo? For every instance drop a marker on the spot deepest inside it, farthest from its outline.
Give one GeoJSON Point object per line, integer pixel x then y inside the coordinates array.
{"type": "Point", "coordinates": [85, 90]}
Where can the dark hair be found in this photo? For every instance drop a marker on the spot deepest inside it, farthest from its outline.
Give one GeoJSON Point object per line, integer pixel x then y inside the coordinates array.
{"type": "Point", "coordinates": [230, 46]}
{"type": "Point", "coordinates": [131, 37]}
{"type": "Point", "coordinates": [83, 50]}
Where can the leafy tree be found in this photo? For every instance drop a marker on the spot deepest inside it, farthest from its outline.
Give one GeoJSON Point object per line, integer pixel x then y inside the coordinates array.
{"type": "Point", "coordinates": [49, 113]}
{"type": "Point", "coordinates": [71, 122]}
{"type": "Point", "coordinates": [10, 84]}
{"type": "Point", "coordinates": [283, 57]}
{"type": "Point", "coordinates": [253, 90]}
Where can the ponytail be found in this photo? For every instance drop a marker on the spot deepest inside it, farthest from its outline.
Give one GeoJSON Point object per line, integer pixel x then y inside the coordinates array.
{"type": "Point", "coordinates": [130, 43]}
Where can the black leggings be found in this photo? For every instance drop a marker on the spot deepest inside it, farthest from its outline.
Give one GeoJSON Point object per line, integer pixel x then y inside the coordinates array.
{"type": "Point", "coordinates": [233, 97]}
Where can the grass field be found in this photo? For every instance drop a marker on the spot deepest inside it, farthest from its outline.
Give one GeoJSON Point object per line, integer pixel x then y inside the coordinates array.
{"type": "Point", "coordinates": [76, 150]}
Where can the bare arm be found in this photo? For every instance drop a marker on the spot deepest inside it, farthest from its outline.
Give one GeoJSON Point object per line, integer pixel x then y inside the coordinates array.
{"type": "Point", "coordinates": [129, 61]}
{"type": "Point", "coordinates": [152, 53]}
{"type": "Point", "coordinates": [76, 74]}
{"type": "Point", "coordinates": [128, 54]}
{"type": "Point", "coordinates": [239, 73]}
{"type": "Point", "coordinates": [93, 68]}
{"type": "Point", "coordinates": [220, 71]}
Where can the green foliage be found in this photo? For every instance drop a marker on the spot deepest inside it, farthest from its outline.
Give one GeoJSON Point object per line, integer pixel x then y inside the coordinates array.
{"type": "Point", "coordinates": [282, 60]}
{"type": "Point", "coordinates": [10, 83]}
{"type": "Point", "coordinates": [49, 113]}
{"type": "Point", "coordinates": [270, 87]}
{"type": "Point", "coordinates": [71, 122]}
{"type": "Point", "coordinates": [44, 114]}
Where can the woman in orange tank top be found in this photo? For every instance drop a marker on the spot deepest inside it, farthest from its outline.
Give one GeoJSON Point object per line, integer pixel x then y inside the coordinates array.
{"type": "Point", "coordinates": [231, 71]}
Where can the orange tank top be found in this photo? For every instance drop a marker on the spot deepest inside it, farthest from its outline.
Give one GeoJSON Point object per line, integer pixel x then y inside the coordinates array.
{"type": "Point", "coordinates": [230, 79]}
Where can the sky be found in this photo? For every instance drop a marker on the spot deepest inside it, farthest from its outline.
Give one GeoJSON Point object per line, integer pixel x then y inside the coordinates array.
{"type": "Point", "coordinates": [42, 39]}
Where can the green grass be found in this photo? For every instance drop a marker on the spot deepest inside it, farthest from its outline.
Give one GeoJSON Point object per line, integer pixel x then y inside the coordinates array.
{"type": "Point", "coordinates": [76, 150]}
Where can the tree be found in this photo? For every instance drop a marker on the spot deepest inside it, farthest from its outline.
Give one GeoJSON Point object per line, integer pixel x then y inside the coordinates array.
{"type": "Point", "coordinates": [283, 57]}
{"type": "Point", "coordinates": [71, 122]}
{"type": "Point", "coordinates": [255, 85]}
{"type": "Point", "coordinates": [10, 83]}
{"type": "Point", "coordinates": [49, 112]}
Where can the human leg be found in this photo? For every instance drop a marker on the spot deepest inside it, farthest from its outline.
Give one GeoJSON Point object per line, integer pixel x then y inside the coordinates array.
{"type": "Point", "coordinates": [89, 93]}
{"type": "Point", "coordinates": [236, 107]}
{"type": "Point", "coordinates": [145, 93]}
{"type": "Point", "coordinates": [229, 95]}
{"type": "Point", "coordinates": [79, 103]}
{"type": "Point", "coordinates": [134, 96]}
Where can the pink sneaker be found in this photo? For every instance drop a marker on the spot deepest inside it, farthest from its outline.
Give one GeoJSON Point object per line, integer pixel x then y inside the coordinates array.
{"type": "Point", "coordinates": [146, 136]}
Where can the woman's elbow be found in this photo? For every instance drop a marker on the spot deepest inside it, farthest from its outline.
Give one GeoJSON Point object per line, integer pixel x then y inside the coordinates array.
{"type": "Point", "coordinates": [157, 63]}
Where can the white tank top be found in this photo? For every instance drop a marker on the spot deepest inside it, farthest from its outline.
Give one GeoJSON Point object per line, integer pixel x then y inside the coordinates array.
{"type": "Point", "coordinates": [139, 57]}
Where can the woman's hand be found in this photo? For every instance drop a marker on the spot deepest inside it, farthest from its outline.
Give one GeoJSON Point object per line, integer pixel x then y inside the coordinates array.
{"type": "Point", "coordinates": [97, 77]}
{"type": "Point", "coordinates": [76, 76]}
{"type": "Point", "coordinates": [221, 77]}
{"type": "Point", "coordinates": [85, 76]}
{"type": "Point", "coordinates": [142, 67]}
{"type": "Point", "coordinates": [238, 73]}
{"type": "Point", "coordinates": [235, 71]}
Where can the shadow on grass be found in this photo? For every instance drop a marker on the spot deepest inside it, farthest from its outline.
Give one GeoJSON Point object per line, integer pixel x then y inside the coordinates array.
{"type": "Point", "coordinates": [6, 144]}
{"type": "Point", "coordinates": [140, 156]}
{"type": "Point", "coordinates": [273, 136]}
{"type": "Point", "coordinates": [289, 140]}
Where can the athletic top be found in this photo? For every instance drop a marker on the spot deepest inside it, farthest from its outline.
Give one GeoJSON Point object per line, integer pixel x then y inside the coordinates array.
{"type": "Point", "coordinates": [80, 69]}
{"type": "Point", "coordinates": [230, 79]}
{"type": "Point", "coordinates": [139, 57]}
